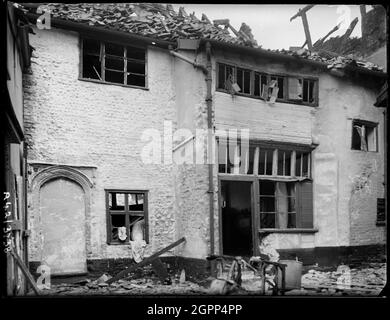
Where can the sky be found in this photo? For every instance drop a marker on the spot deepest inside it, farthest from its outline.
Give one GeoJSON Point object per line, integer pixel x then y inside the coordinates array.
{"type": "Point", "coordinates": [271, 26]}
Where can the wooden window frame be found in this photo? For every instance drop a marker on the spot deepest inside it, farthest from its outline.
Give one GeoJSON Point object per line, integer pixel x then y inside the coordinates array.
{"type": "Point", "coordinates": [285, 77]}
{"type": "Point", "coordinates": [255, 177]}
{"type": "Point", "coordinates": [127, 214]}
{"type": "Point", "coordinates": [103, 67]}
{"type": "Point", "coordinates": [256, 159]}
{"type": "Point", "coordinates": [370, 124]}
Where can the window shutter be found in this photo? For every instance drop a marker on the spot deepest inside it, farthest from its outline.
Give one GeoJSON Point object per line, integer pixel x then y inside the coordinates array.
{"type": "Point", "coordinates": [305, 204]}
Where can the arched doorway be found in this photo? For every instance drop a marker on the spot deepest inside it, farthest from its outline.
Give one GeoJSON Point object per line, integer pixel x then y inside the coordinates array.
{"type": "Point", "coordinates": [62, 219]}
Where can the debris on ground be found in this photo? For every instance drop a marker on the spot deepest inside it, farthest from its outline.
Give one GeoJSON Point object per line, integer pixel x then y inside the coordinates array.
{"type": "Point", "coordinates": [365, 280]}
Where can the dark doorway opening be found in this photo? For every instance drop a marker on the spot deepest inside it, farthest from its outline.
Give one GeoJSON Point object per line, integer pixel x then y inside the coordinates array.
{"type": "Point", "coordinates": [236, 218]}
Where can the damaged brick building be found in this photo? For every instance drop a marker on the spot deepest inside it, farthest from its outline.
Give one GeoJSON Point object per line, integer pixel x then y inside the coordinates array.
{"type": "Point", "coordinates": [311, 178]}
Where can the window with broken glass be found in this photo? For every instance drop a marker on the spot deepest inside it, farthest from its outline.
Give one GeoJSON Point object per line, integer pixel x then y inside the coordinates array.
{"type": "Point", "coordinates": [127, 216]}
{"type": "Point", "coordinates": [364, 135]}
{"type": "Point", "coordinates": [113, 63]}
{"type": "Point", "coordinates": [283, 178]}
{"type": "Point", "coordinates": [269, 87]}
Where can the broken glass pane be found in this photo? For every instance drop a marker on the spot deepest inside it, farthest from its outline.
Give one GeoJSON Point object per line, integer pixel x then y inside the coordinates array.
{"type": "Point", "coordinates": [113, 63]}
{"type": "Point", "coordinates": [91, 67]}
{"type": "Point", "coordinates": [136, 80]}
{"type": "Point", "coordinates": [91, 46]}
{"type": "Point", "coordinates": [116, 201]}
{"type": "Point", "coordinates": [136, 202]}
{"type": "Point", "coordinates": [114, 49]}
{"type": "Point", "coordinates": [117, 221]}
{"type": "Point", "coordinates": [136, 53]}
{"type": "Point", "coordinates": [138, 68]}
{"type": "Point", "coordinates": [114, 76]}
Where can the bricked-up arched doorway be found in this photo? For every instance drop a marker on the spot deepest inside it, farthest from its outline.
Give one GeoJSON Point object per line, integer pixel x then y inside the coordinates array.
{"type": "Point", "coordinates": [60, 215]}
{"type": "Point", "coordinates": [62, 212]}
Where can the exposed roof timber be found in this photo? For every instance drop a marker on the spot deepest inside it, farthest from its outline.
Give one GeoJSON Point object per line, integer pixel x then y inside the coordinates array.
{"type": "Point", "coordinates": [302, 14]}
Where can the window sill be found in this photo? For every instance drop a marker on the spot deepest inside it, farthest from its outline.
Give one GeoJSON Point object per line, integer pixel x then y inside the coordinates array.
{"type": "Point", "coordinates": [292, 230]}
{"type": "Point", "coordinates": [113, 84]}
{"type": "Point", "coordinates": [368, 151]}
{"type": "Point", "coordinates": [381, 223]}
{"type": "Point", "coordinates": [277, 100]}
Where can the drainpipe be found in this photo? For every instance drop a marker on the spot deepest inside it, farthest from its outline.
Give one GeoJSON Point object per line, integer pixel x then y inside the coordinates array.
{"type": "Point", "coordinates": [209, 103]}
{"type": "Point", "coordinates": [184, 58]}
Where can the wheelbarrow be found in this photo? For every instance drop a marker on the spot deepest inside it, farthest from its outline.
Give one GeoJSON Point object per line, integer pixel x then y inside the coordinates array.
{"type": "Point", "coordinates": [259, 266]}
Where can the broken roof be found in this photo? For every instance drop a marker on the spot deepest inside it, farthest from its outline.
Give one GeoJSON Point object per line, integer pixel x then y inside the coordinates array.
{"type": "Point", "coordinates": [162, 22]}
{"type": "Point", "coordinates": [147, 19]}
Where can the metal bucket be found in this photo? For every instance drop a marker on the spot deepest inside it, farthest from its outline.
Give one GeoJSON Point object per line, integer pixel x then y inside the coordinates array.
{"type": "Point", "coordinates": [293, 274]}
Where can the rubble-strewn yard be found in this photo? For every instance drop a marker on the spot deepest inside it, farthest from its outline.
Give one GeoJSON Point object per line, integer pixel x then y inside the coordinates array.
{"type": "Point", "coordinates": [366, 280]}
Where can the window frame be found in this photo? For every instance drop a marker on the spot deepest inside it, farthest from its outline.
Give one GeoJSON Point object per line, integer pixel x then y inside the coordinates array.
{"type": "Point", "coordinates": [256, 178]}
{"type": "Point", "coordinates": [366, 123]}
{"type": "Point", "coordinates": [285, 77]}
{"type": "Point", "coordinates": [102, 44]}
{"type": "Point", "coordinates": [126, 212]}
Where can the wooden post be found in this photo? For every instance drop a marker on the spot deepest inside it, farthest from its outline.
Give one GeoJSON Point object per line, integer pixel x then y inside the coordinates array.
{"type": "Point", "coordinates": [307, 31]}
{"type": "Point", "coordinates": [256, 162]}
{"type": "Point", "coordinates": [302, 13]}
{"type": "Point", "coordinates": [25, 271]}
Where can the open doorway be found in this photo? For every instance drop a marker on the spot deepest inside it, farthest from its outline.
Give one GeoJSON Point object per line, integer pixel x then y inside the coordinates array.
{"type": "Point", "coordinates": [236, 218]}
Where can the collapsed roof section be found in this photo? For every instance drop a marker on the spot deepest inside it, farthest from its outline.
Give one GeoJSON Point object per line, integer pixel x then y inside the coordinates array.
{"type": "Point", "coordinates": [159, 21]}
{"type": "Point", "coordinates": [148, 19]}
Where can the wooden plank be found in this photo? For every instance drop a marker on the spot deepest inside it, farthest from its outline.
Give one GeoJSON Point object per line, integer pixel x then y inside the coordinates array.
{"type": "Point", "coordinates": [25, 271]}
{"type": "Point", "coordinates": [153, 257]}
{"type": "Point", "coordinates": [256, 162]}
{"type": "Point", "coordinates": [307, 31]}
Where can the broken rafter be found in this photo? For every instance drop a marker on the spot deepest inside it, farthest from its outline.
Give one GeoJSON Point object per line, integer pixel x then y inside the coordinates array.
{"type": "Point", "coordinates": [321, 41]}
{"type": "Point", "coordinates": [350, 29]}
{"type": "Point", "coordinates": [302, 14]}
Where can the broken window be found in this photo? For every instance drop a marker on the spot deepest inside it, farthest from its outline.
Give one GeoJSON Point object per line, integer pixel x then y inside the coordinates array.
{"type": "Point", "coordinates": [126, 216]}
{"type": "Point", "coordinates": [269, 87]}
{"type": "Point", "coordinates": [302, 164]}
{"type": "Point", "coordinates": [114, 63]}
{"type": "Point", "coordinates": [243, 80]}
{"type": "Point", "coordinates": [260, 83]}
{"type": "Point", "coordinates": [277, 204]}
{"type": "Point", "coordinates": [381, 212]}
{"type": "Point", "coordinates": [225, 76]}
{"type": "Point", "coordinates": [364, 136]}
{"type": "Point", "coordinates": [308, 91]}
{"type": "Point", "coordinates": [280, 85]}
{"type": "Point", "coordinates": [262, 160]}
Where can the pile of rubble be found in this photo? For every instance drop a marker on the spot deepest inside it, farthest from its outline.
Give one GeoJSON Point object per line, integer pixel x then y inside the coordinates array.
{"type": "Point", "coordinates": [367, 280]}
{"type": "Point", "coordinates": [332, 60]}
{"type": "Point", "coordinates": [141, 286]}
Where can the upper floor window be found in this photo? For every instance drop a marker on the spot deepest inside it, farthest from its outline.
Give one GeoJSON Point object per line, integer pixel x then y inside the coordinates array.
{"type": "Point", "coordinates": [269, 87]}
{"type": "Point", "coordinates": [113, 63]}
{"type": "Point", "coordinates": [364, 135]}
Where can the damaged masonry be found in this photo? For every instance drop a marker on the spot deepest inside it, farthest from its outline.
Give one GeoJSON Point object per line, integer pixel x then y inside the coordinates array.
{"type": "Point", "coordinates": [151, 151]}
